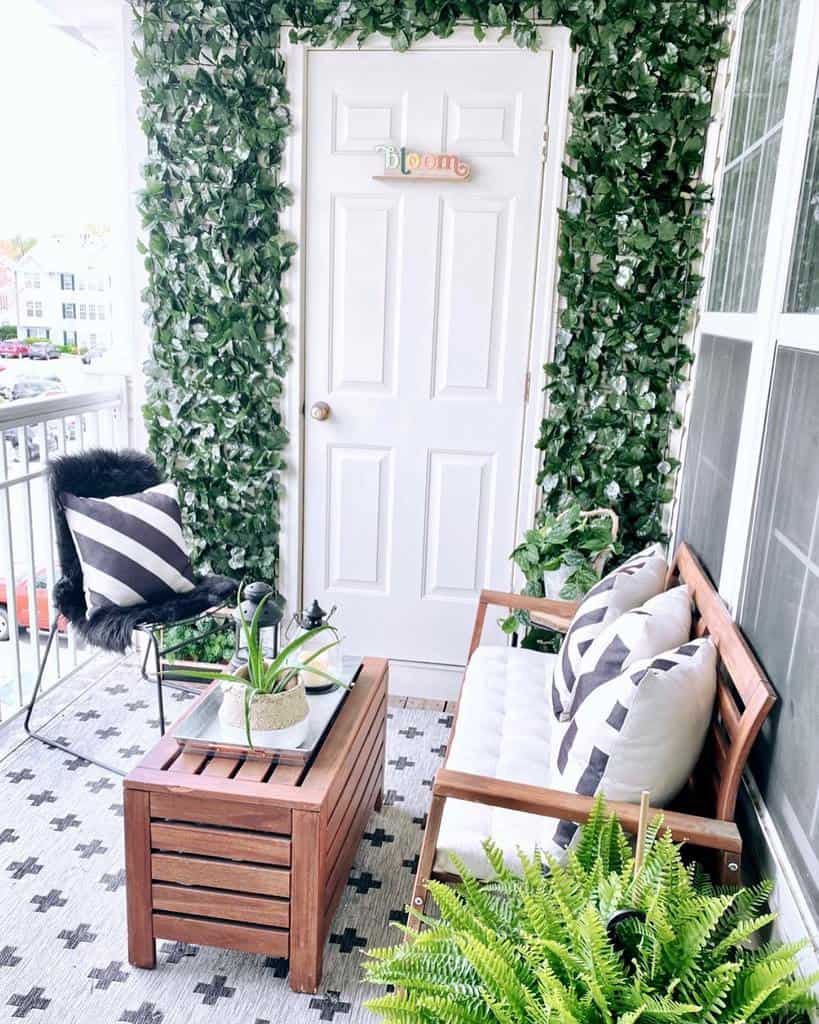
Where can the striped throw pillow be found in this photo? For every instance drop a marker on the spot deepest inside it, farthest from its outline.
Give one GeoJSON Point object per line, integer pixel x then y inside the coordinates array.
{"type": "Point", "coordinates": [626, 587]}
{"type": "Point", "coordinates": [130, 547]}
{"type": "Point", "coordinates": [642, 729]}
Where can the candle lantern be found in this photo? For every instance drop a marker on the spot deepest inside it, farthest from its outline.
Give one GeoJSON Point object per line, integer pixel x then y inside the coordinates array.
{"type": "Point", "coordinates": [269, 620]}
{"type": "Point", "coordinates": [309, 622]}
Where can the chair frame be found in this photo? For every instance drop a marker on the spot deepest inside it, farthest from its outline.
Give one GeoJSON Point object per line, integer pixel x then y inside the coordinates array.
{"type": "Point", "coordinates": [101, 473]}
{"type": "Point", "coordinates": [159, 678]}
{"type": "Point", "coordinates": [744, 699]}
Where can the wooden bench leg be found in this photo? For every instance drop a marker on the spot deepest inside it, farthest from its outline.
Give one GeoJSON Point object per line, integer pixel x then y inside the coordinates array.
{"type": "Point", "coordinates": [306, 903]}
{"type": "Point", "coordinates": [426, 859]}
{"type": "Point", "coordinates": [137, 814]}
{"type": "Point", "coordinates": [729, 868]}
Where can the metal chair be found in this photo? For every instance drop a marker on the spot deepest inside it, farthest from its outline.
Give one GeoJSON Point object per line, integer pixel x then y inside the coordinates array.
{"type": "Point", "coordinates": [100, 473]}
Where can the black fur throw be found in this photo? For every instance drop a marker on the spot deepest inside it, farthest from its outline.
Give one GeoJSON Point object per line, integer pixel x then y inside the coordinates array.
{"type": "Point", "coordinates": [99, 473]}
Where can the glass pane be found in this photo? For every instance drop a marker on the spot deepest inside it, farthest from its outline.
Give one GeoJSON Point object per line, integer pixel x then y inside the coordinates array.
{"type": "Point", "coordinates": [710, 459]}
{"type": "Point", "coordinates": [803, 287]}
{"type": "Point", "coordinates": [758, 107]}
{"type": "Point", "coordinates": [780, 613]}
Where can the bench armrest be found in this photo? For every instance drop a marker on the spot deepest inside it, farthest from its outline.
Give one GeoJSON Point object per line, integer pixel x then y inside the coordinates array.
{"type": "Point", "coordinates": [542, 605]}
{"type": "Point", "coordinates": [544, 611]}
{"type": "Point", "coordinates": [519, 796]}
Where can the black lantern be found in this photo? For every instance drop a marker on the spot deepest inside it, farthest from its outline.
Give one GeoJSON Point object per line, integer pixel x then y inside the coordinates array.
{"type": "Point", "coordinates": [269, 619]}
{"type": "Point", "coordinates": [309, 622]}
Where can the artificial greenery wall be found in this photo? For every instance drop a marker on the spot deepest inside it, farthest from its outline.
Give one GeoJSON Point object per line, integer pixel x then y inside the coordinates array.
{"type": "Point", "coordinates": [215, 113]}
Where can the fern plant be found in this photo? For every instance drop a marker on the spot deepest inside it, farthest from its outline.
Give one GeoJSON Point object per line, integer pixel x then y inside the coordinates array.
{"type": "Point", "coordinates": [593, 942]}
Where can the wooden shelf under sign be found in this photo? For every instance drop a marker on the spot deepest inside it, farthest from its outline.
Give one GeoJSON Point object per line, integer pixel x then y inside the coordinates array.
{"type": "Point", "coordinates": [415, 176]}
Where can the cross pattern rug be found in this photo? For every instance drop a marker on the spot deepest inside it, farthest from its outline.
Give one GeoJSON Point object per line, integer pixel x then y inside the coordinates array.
{"type": "Point", "coordinates": [63, 951]}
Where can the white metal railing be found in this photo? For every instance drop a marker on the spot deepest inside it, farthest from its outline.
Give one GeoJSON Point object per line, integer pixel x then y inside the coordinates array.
{"type": "Point", "coordinates": [32, 433]}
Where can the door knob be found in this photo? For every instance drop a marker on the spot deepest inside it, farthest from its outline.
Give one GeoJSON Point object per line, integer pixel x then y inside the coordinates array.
{"type": "Point", "coordinates": [320, 411]}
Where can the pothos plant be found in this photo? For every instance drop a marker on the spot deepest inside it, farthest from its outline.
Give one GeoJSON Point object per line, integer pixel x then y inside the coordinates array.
{"type": "Point", "coordinates": [572, 543]}
{"type": "Point", "coordinates": [215, 113]}
{"type": "Point", "coordinates": [593, 941]}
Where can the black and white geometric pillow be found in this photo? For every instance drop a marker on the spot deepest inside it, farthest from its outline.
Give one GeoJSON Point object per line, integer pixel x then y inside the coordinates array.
{"type": "Point", "coordinates": [643, 729]}
{"type": "Point", "coordinates": [662, 622]}
{"type": "Point", "coordinates": [628, 586]}
{"type": "Point", "coordinates": [130, 547]}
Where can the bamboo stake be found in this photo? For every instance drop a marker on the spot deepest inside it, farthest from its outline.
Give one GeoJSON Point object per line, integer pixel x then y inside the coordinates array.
{"type": "Point", "coordinates": [642, 825]}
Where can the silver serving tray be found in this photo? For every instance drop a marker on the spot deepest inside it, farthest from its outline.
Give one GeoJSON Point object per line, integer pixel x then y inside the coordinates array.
{"type": "Point", "coordinates": [202, 731]}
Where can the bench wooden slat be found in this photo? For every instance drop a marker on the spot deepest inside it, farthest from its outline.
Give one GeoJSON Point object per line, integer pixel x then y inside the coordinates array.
{"type": "Point", "coordinates": [220, 874]}
{"type": "Point", "coordinates": [179, 807]}
{"type": "Point", "coordinates": [246, 938]}
{"type": "Point", "coordinates": [229, 906]}
{"type": "Point", "coordinates": [217, 842]}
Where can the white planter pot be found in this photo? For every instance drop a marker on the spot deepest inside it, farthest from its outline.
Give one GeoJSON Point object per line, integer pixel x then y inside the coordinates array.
{"type": "Point", "coordinates": [553, 581]}
{"type": "Point", "coordinates": [276, 719]}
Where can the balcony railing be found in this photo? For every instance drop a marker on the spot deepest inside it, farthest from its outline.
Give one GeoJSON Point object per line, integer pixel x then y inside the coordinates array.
{"type": "Point", "coordinates": [33, 433]}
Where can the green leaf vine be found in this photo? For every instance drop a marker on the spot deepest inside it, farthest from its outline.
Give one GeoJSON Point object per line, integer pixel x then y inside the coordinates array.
{"type": "Point", "coordinates": [215, 112]}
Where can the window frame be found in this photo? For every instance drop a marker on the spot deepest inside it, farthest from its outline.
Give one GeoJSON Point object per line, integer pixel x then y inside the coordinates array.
{"type": "Point", "coordinates": [768, 327]}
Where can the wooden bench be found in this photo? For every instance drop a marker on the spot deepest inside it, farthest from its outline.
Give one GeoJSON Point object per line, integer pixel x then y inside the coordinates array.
{"type": "Point", "coordinates": [703, 815]}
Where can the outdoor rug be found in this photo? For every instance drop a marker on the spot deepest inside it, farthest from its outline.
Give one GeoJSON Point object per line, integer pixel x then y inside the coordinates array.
{"type": "Point", "coordinates": [63, 952]}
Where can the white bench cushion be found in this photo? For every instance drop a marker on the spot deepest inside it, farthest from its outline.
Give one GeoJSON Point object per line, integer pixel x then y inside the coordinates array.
{"type": "Point", "coordinates": [503, 731]}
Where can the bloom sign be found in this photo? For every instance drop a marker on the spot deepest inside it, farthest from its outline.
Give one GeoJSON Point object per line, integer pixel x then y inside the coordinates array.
{"type": "Point", "coordinates": [403, 162]}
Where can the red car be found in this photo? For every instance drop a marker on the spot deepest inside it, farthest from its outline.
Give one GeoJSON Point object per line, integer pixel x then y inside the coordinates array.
{"type": "Point", "coordinates": [21, 603]}
{"type": "Point", "coordinates": [15, 349]}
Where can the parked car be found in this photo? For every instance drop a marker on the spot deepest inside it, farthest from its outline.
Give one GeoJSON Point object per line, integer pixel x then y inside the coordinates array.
{"type": "Point", "coordinates": [92, 353]}
{"type": "Point", "coordinates": [44, 350]}
{"type": "Point", "coordinates": [15, 349]}
{"type": "Point", "coordinates": [12, 435]}
{"type": "Point", "coordinates": [37, 387]}
{"type": "Point", "coordinates": [21, 605]}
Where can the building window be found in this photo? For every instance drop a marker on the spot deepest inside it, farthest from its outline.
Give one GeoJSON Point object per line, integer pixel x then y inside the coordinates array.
{"type": "Point", "coordinates": [803, 286]}
{"type": "Point", "coordinates": [100, 312]}
{"type": "Point", "coordinates": [754, 425]}
{"type": "Point", "coordinates": [69, 337]}
{"type": "Point", "coordinates": [34, 308]}
{"type": "Point", "coordinates": [720, 379]}
{"type": "Point", "coordinates": [83, 311]}
{"type": "Point", "coordinates": [37, 332]}
{"type": "Point", "coordinates": [757, 112]}
{"type": "Point", "coordinates": [4, 302]}
{"type": "Point", "coordinates": [92, 312]}
{"type": "Point", "coordinates": [781, 611]}
{"type": "Point", "coordinates": [67, 282]}
{"type": "Point", "coordinates": [92, 338]}
{"type": "Point", "coordinates": [69, 311]}
{"type": "Point", "coordinates": [31, 280]}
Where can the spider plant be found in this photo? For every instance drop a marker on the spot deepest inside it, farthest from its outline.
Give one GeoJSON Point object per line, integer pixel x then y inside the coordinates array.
{"type": "Point", "coordinates": [271, 677]}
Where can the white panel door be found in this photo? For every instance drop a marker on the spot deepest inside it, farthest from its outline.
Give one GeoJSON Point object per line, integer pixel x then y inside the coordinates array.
{"type": "Point", "coordinates": [417, 319]}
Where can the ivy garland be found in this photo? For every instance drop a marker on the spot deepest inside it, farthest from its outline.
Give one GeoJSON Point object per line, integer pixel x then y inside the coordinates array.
{"type": "Point", "coordinates": [215, 113]}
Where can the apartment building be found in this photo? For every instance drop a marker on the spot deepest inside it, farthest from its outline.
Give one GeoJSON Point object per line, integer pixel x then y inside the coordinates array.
{"type": "Point", "coordinates": [63, 292]}
{"type": "Point", "coordinates": [8, 310]}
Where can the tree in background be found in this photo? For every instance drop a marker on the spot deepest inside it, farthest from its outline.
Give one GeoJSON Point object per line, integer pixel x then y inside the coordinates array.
{"type": "Point", "coordinates": [8, 332]}
{"type": "Point", "coordinates": [15, 248]}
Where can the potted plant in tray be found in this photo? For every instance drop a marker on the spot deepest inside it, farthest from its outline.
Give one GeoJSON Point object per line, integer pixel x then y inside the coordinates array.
{"type": "Point", "coordinates": [267, 699]}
